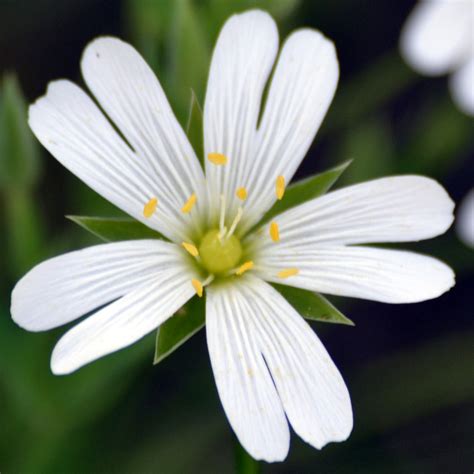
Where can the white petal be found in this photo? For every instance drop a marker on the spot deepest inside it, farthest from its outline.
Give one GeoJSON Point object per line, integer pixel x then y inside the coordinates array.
{"type": "Point", "coordinates": [313, 393]}
{"type": "Point", "coordinates": [64, 288]}
{"type": "Point", "coordinates": [124, 322]}
{"type": "Point", "coordinates": [389, 276]}
{"type": "Point", "coordinates": [241, 63]}
{"type": "Point", "coordinates": [131, 95]}
{"type": "Point", "coordinates": [438, 35]}
{"type": "Point", "coordinates": [245, 387]}
{"type": "Point", "coordinates": [301, 91]}
{"type": "Point", "coordinates": [465, 219]}
{"type": "Point", "coordinates": [462, 85]}
{"type": "Point", "coordinates": [395, 209]}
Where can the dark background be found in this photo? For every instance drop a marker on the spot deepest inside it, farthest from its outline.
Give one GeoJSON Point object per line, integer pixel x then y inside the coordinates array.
{"type": "Point", "coordinates": [408, 367]}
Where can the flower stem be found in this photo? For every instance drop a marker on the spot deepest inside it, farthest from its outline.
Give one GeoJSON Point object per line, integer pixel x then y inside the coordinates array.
{"type": "Point", "coordinates": [244, 463]}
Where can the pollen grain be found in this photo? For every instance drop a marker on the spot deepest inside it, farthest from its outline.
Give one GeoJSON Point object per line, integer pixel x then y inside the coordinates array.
{"type": "Point", "coordinates": [244, 267]}
{"type": "Point", "coordinates": [288, 272]}
{"type": "Point", "coordinates": [150, 207]}
{"type": "Point", "coordinates": [189, 204]}
{"type": "Point", "coordinates": [241, 193]}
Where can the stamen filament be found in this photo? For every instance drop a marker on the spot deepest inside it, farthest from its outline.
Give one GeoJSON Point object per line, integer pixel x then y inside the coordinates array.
{"type": "Point", "coordinates": [288, 272]}
{"type": "Point", "coordinates": [189, 204]}
{"type": "Point", "coordinates": [190, 248]}
{"type": "Point", "coordinates": [244, 267]}
{"type": "Point", "coordinates": [236, 220]}
{"type": "Point", "coordinates": [274, 232]}
{"type": "Point", "coordinates": [280, 187]}
{"type": "Point", "coordinates": [222, 216]}
{"type": "Point", "coordinates": [150, 207]}
{"type": "Point", "coordinates": [217, 158]}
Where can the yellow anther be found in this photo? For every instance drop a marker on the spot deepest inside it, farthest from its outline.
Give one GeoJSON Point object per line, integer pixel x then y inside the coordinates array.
{"type": "Point", "coordinates": [190, 248]}
{"type": "Point", "coordinates": [274, 232]}
{"type": "Point", "coordinates": [150, 207]}
{"type": "Point", "coordinates": [217, 158]}
{"type": "Point", "coordinates": [280, 187]}
{"type": "Point", "coordinates": [288, 272]}
{"type": "Point", "coordinates": [189, 204]}
{"type": "Point", "coordinates": [241, 193]}
{"type": "Point", "coordinates": [244, 267]}
{"type": "Point", "coordinates": [197, 286]}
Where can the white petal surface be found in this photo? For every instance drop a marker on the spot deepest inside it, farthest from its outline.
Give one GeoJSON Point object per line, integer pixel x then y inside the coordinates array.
{"type": "Point", "coordinates": [437, 36]}
{"type": "Point", "coordinates": [245, 387]}
{"type": "Point", "coordinates": [462, 84]}
{"type": "Point", "coordinates": [241, 63]}
{"type": "Point", "coordinates": [131, 95]}
{"type": "Point", "coordinates": [301, 91]}
{"type": "Point", "coordinates": [389, 276]}
{"type": "Point", "coordinates": [465, 219]}
{"type": "Point", "coordinates": [313, 393]}
{"type": "Point", "coordinates": [394, 209]}
{"type": "Point", "coordinates": [124, 322]}
{"type": "Point", "coordinates": [64, 288]}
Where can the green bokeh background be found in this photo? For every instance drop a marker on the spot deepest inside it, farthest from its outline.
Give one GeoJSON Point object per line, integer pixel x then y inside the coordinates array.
{"type": "Point", "coordinates": [408, 367]}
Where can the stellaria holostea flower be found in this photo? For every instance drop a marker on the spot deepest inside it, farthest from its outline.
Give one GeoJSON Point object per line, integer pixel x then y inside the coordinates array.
{"type": "Point", "coordinates": [267, 361]}
{"type": "Point", "coordinates": [465, 219]}
{"type": "Point", "coordinates": [438, 38]}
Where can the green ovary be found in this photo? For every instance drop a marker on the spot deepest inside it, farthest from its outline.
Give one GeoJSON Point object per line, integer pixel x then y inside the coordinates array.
{"type": "Point", "coordinates": [219, 256]}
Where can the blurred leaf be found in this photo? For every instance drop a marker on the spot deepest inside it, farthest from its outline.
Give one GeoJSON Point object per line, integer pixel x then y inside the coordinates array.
{"type": "Point", "coordinates": [244, 463]}
{"type": "Point", "coordinates": [179, 328]}
{"type": "Point", "coordinates": [306, 189]}
{"type": "Point", "coordinates": [312, 305]}
{"type": "Point", "coordinates": [19, 156]}
{"type": "Point", "coordinates": [371, 145]}
{"type": "Point", "coordinates": [194, 127]}
{"type": "Point", "coordinates": [112, 229]}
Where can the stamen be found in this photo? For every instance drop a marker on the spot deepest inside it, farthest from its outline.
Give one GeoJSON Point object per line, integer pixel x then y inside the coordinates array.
{"type": "Point", "coordinates": [280, 187]}
{"type": "Point", "coordinates": [288, 272]}
{"type": "Point", "coordinates": [217, 158]}
{"type": "Point", "coordinates": [150, 207]}
{"type": "Point", "coordinates": [221, 234]}
{"type": "Point", "coordinates": [244, 267]}
{"type": "Point", "coordinates": [189, 204]}
{"type": "Point", "coordinates": [241, 193]}
{"type": "Point", "coordinates": [274, 232]}
{"type": "Point", "coordinates": [222, 215]}
{"type": "Point", "coordinates": [236, 220]}
{"type": "Point", "coordinates": [190, 248]}
{"type": "Point", "coordinates": [197, 286]}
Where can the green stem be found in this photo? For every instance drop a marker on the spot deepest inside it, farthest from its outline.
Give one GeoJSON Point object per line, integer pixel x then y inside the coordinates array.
{"type": "Point", "coordinates": [245, 464]}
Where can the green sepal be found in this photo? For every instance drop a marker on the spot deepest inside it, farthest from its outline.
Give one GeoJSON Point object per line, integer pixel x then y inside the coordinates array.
{"type": "Point", "coordinates": [312, 305]}
{"type": "Point", "coordinates": [180, 327]}
{"type": "Point", "coordinates": [194, 127]}
{"type": "Point", "coordinates": [111, 229]}
{"type": "Point", "coordinates": [306, 189]}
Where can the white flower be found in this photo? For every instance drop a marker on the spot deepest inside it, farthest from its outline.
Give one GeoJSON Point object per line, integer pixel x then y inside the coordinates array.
{"type": "Point", "coordinates": [465, 219]}
{"type": "Point", "coordinates": [267, 361]}
{"type": "Point", "coordinates": [438, 38]}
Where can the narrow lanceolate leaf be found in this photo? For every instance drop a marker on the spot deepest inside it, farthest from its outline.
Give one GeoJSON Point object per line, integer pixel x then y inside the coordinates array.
{"type": "Point", "coordinates": [112, 229]}
{"type": "Point", "coordinates": [179, 328]}
{"type": "Point", "coordinates": [307, 189]}
{"type": "Point", "coordinates": [194, 129]}
{"type": "Point", "coordinates": [312, 305]}
{"type": "Point", "coordinates": [19, 156]}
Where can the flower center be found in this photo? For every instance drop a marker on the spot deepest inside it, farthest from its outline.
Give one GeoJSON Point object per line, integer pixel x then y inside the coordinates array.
{"type": "Point", "coordinates": [219, 255]}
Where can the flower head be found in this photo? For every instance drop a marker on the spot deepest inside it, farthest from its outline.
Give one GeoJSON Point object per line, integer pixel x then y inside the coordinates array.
{"type": "Point", "coordinates": [437, 39]}
{"type": "Point", "coordinates": [268, 364]}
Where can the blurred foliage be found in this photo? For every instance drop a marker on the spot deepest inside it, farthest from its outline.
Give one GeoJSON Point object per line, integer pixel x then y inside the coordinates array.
{"type": "Point", "coordinates": [412, 394]}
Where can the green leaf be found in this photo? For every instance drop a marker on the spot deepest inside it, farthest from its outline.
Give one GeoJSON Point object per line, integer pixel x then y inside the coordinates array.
{"type": "Point", "coordinates": [179, 328]}
{"type": "Point", "coordinates": [312, 305]}
{"type": "Point", "coordinates": [112, 229]}
{"type": "Point", "coordinates": [19, 156]}
{"type": "Point", "coordinates": [306, 189]}
{"type": "Point", "coordinates": [194, 127]}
